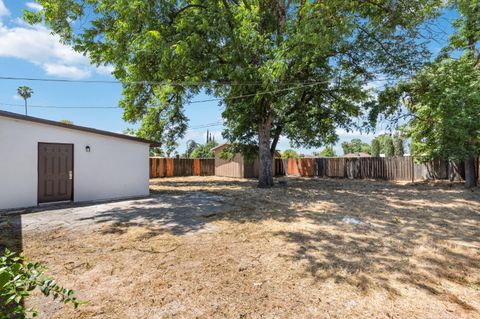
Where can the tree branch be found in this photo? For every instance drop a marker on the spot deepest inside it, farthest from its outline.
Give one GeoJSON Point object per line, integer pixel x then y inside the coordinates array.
{"type": "Point", "coordinates": [186, 8]}
{"type": "Point", "coordinates": [378, 5]}
{"type": "Point", "coordinates": [276, 136]}
{"type": "Point", "coordinates": [376, 40]}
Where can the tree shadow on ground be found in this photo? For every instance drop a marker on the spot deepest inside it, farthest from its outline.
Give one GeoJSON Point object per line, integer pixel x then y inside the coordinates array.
{"type": "Point", "coordinates": [414, 236]}
{"type": "Point", "coordinates": [172, 214]}
{"type": "Point", "coordinates": [417, 235]}
{"type": "Point", "coordinates": [11, 233]}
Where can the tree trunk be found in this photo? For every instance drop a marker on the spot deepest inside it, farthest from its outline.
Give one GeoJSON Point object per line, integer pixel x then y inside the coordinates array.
{"type": "Point", "coordinates": [265, 174]}
{"type": "Point", "coordinates": [470, 176]}
{"type": "Point", "coordinates": [276, 137]}
{"type": "Point", "coordinates": [454, 174]}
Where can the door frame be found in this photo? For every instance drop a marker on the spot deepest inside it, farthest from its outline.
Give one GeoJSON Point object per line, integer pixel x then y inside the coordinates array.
{"type": "Point", "coordinates": [72, 199]}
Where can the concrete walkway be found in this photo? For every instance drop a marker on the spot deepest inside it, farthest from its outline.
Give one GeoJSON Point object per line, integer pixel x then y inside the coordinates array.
{"type": "Point", "coordinates": [180, 214]}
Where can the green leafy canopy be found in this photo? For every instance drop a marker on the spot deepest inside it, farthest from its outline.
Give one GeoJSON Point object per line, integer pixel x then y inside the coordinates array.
{"type": "Point", "coordinates": [442, 101]}
{"type": "Point", "coordinates": [297, 69]}
{"type": "Point", "coordinates": [290, 154]}
{"type": "Point", "coordinates": [355, 146]}
{"type": "Point", "coordinates": [445, 102]}
{"type": "Point", "coordinates": [204, 150]}
{"type": "Point", "coordinates": [328, 151]}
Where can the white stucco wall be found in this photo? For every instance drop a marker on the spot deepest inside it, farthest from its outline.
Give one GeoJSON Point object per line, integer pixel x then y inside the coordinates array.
{"type": "Point", "coordinates": [114, 168]}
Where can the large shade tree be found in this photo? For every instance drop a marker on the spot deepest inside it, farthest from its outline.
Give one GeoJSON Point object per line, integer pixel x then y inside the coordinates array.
{"type": "Point", "coordinates": [289, 68]}
{"type": "Point", "coordinates": [442, 101]}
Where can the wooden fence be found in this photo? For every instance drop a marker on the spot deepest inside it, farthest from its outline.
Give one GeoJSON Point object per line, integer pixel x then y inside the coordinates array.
{"type": "Point", "coordinates": [279, 168]}
{"type": "Point", "coordinates": [389, 168]}
{"type": "Point", "coordinates": [169, 167]}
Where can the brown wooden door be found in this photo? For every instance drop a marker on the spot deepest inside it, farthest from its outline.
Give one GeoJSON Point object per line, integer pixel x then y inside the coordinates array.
{"type": "Point", "coordinates": [55, 172]}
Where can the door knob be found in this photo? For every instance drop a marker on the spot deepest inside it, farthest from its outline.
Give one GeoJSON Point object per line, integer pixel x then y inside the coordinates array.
{"type": "Point", "coordinates": [70, 175]}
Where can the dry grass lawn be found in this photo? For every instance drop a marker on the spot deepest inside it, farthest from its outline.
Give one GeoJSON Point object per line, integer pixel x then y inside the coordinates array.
{"type": "Point", "coordinates": [317, 248]}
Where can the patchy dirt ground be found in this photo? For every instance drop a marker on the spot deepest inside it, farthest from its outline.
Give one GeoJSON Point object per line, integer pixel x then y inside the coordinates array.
{"type": "Point", "coordinates": [211, 247]}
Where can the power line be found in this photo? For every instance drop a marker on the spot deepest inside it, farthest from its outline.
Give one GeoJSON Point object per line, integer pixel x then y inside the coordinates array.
{"type": "Point", "coordinates": [206, 125]}
{"type": "Point", "coordinates": [63, 107]}
{"type": "Point", "coordinates": [141, 82]}
{"type": "Point", "coordinates": [273, 91]}
{"type": "Point", "coordinates": [180, 83]}
{"type": "Point", "coordinates": [201, 128]}
{"type": "Point", "coordinates": [191, 102]}
{"type": "Point", "coordinates": [188, 103]}
{"type": "Point", "coordinates": [56, 80]}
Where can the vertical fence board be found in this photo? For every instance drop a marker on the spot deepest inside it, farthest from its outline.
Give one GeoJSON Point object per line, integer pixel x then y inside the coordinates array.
{"type": "Point", "coordinates": [279, 167]}
{"type": "Point", "coordinates": [207, 166]}
{"type": "Point", "coordinates": [169, 167]}
{"type": "Point", "coordinates": [388, 168]}
{"type": "Point", "coordinates": [196, 167]}
{"type": "Point", "coordinates": [152, 168]}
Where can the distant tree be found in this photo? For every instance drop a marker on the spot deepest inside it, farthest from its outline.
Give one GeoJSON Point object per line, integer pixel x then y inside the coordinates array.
{"type": "Point", "coordinates": [389, 149]}
{"type": "Point", "coordinates": [191, 146]}
{"type": "Point", "coordinates": [328, 151]}
{"type": "Point", "coordinates": [204, 151]}
{"type": "Point", "coordinates": [66, 122]}
{"type": "Point", "coordinates": [210, 136]}
{"type": "Point", "coordinates": [166, 149]}
{"type": "Point", "coordinates": [156, 151]}
{"type": "Point", "coordinates": [346, 147]}
{"type": "Point", "coordinates": [290, 154]}
{"type": "Point", "coordinates": [375, 148]}
{"type": "Point", "coordinates": [386, 142]}
{"type": "Point", "coordinates": [355, 146]}
{"type": "Point", "coordinates": [387, 145]}
{"type": "Point", "coordinates": [398, 146]}
{"type": "Point", "coordinates": [25, 92]}
{"type": "Point", "coordinates": [129, 131]}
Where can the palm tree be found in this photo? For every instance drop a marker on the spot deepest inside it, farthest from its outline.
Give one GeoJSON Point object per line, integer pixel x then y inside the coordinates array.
{"type": "Point", "coordinates": [26, 93]}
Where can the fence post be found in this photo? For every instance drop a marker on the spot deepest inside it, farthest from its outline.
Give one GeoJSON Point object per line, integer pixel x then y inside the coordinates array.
{"type": "Point", "coordinates": [413, 170]}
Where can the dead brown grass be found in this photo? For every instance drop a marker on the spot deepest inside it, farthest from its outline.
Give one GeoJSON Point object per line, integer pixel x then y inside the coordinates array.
{"type": "Point", "coordinates": [279, 253]}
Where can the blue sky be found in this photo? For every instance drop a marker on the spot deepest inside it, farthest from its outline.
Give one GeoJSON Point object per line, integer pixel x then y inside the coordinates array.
{"type": "Point", "coordinates": [33, 52]}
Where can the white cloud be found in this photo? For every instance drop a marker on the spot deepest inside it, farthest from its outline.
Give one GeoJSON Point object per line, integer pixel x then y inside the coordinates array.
{"type": "Point", "coordinates": [105, 69]}
{"type": "Point", "coordinates": [193, 135]}
{"type": "Point", "coordinates": [61, 70]}
{"type": "Point", "coordinates": [34, 6]}
{"type": "Point", "coordinates": [344, 134]}
{"type": "Point", "coordinates": [37, 45]}
{"type": "Point", "coordinates": [3, 10]}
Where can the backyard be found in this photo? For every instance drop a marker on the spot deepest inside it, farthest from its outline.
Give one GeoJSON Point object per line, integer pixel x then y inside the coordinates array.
{"type": "Point", "coordinates": [220, 247]}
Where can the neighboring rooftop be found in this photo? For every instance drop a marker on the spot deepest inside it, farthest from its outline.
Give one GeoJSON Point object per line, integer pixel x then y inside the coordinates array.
{"type": "Point", "coordinates": [74, 127]}
{"type": "Point", "coordinates": [277, 152]}
{"type": "Point", "coordinates": [357, 154]}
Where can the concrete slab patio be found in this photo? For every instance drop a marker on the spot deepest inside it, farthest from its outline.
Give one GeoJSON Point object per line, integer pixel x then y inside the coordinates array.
{"type": "Point", "coordinates": [178, 214]}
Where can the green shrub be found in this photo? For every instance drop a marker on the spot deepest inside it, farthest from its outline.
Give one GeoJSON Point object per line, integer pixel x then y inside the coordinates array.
{"type": "Point", "coordinates": [204, 150]}
{"type": "Point", "coordinates": [290, 154]}
{"type": "Point", "coordinates": [18, 278]}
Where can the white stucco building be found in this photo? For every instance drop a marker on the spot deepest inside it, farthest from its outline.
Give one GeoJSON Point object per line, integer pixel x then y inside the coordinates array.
{"type": "Point", "coordinates": [45, 161]}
